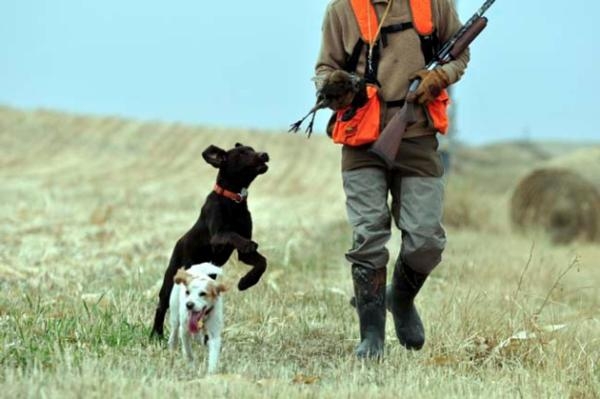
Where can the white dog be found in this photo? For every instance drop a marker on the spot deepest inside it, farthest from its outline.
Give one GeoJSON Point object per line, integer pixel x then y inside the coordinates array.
{"type": "Point", "coordinates": [197, 311]}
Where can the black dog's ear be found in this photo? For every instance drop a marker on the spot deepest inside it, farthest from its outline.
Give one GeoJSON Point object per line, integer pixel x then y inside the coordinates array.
{"type": "Point", "coordinates": [238, 145]}
{"type": "Point", "coordinates": [214, 156]}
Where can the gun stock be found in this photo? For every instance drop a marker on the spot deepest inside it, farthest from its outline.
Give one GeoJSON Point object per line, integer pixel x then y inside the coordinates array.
{"type": "Point", "coordinates": [387, 145]}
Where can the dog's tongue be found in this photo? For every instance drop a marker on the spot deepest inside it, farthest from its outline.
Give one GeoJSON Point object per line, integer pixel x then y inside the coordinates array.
{"type": "Point", "coordinates": [194, 321]}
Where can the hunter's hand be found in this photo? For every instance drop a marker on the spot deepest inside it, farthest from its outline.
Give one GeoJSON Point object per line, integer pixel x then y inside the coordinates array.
{"type": "Point", "coordinates": [339, 88]}
{"type": "Point", "coordinates": [431, 86]}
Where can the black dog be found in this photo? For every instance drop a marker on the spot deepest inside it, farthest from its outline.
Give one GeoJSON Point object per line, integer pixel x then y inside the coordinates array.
{"type": "Point", "coordinates": [224, 224]}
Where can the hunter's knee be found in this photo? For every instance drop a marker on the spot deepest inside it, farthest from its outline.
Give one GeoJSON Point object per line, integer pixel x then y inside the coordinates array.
{"type": "Point", "coordinates": [424, 253]}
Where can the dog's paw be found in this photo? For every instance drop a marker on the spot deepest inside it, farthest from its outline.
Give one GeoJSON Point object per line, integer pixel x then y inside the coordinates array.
{"type": "Point", "coordinates": [247, 281]}
{"type": "Point", "coordinates": [244, 284]}
{"type": "Point", "coordinates": [248, 246]}
{"type": "Point", "coordinates": [250, 279]}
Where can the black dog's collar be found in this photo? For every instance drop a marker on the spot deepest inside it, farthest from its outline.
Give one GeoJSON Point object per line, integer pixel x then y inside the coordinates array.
{"type": "Point", "coordinates": [235, 197]}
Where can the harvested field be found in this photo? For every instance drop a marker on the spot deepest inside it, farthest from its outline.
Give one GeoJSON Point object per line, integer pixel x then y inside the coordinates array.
{"type": "Point", "coordinates": [91, 208]}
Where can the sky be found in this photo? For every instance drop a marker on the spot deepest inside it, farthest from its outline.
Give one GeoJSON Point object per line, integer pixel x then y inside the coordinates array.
{"type": "Point", "coordinates": [534, 72]}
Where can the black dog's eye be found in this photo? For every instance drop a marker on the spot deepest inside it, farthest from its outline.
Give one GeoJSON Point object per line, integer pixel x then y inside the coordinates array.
{"type": "Point", "coordinates": [187, 292]}
{"type": "Point", "coordinates": [202, 294]}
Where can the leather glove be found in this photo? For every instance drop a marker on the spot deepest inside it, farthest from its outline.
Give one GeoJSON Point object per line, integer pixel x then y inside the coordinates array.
{"type": "Point", "coordinates": [431, 86]}
{"type": "Point", "coordinates": [338, 89]}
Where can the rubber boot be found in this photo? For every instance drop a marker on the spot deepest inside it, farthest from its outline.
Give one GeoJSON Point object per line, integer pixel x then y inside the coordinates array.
{"type": "Point", "coordinates": [400, 295]}
{"type": "Point", "coordinates": [369, 291]}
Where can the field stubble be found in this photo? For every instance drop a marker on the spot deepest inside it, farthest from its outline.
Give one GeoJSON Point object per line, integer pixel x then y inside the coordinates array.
{"type": "Point", "coordinates": [92, 207]}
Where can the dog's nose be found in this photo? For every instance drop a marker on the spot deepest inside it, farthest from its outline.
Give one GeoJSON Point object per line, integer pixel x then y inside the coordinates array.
{"type": "Point", "coordinates": [263, 156]}
{"type": "Point", "coordinates": [189, 305]}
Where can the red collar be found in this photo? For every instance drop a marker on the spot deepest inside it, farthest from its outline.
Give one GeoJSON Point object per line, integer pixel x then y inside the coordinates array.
{"type": "Point", "coordinates": [235, 197]}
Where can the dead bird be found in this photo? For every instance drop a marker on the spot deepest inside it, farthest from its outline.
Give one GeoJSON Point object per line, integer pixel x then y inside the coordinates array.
{"type": "Point", "coordinates": [337, 90]}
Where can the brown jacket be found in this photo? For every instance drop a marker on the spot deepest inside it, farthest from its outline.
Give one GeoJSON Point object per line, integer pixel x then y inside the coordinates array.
{"type": "Point", "coordinates": [399, 59]}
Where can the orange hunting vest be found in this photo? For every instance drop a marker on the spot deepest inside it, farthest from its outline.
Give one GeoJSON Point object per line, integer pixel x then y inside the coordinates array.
{"type": "Point", "coordinates": [364, 127]}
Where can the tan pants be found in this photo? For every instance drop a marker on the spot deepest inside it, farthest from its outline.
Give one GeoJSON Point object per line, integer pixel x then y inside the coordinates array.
{"type": "Point", "coordinates": [416, 208]}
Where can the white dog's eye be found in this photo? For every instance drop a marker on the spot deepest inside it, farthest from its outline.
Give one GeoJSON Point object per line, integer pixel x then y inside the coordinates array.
{"type": "Point", "coordinates": [202, 294]}
{"type": "Point", "coordinates": [187, 292]}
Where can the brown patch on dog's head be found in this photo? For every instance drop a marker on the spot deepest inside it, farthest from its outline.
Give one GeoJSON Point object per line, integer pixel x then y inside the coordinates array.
{"type": "Point", "coordinates": [214, 290]}
{"type": "Point", "coordinates": [222, 288]}
{"type": "Point", "coordinates": [182, 277]}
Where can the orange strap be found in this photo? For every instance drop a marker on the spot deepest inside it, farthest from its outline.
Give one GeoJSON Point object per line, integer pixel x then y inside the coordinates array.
{"type": "Point", "coordinates": [422, 16]}
{"type": "Point", "coordinates": [366, 17]}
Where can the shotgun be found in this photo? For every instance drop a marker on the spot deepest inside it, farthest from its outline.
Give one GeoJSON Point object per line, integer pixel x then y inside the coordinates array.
{"type": "Point", "coordinates": [388, 143]}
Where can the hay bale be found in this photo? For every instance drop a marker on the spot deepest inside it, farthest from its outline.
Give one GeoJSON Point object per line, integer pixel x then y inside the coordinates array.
{"type": "Point", "coordinates": [561, 198]}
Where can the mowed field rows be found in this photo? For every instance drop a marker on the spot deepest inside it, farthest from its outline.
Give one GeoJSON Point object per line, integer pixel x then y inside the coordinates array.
{"type": "Point", "coordinates": [92, 206]}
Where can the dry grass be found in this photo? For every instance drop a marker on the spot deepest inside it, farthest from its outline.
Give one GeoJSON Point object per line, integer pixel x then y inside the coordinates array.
{"type": "Point", "coordinates": [561, 202]}
{"type": "Point", "coordinates": [91, 208]}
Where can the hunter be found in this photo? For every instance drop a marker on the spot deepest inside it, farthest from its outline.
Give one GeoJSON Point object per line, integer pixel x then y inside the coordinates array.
{"type": "Point", "coordinates": [376, 47]}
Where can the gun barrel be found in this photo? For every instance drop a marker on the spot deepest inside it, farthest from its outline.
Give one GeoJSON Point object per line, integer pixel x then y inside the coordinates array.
{"type": "Point", "coordinates": [485, 6]}
{"type": "Point", "coordinates": [446, 50]}
{"type": "Point", "coordinates": [465, 40]}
